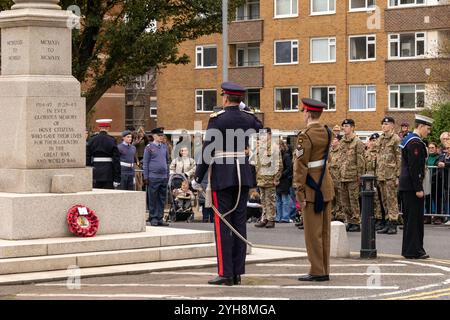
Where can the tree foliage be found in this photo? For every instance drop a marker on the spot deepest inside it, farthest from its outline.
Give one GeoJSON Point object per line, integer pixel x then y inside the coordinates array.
{"type": "Point", "coordinates": [118, 39]}
{"type": "Point", "coordinates": [441, 115]}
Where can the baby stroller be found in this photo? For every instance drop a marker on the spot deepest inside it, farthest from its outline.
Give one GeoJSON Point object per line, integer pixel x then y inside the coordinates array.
{"type": "Point", "coordinates": [181, 209]}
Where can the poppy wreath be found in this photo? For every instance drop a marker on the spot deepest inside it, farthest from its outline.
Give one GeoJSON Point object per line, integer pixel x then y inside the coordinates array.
{"type": "Point", "coordinates": [82, 225]}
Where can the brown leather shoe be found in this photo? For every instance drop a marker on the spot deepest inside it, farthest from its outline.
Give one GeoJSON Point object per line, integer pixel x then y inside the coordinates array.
{"type": "Point", "coordinates": [261, 224]}
{"type": "Point", "coordinates": [270, 224]}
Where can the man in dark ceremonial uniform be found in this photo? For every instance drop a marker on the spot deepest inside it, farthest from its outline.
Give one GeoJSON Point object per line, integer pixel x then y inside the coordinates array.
{"type": "Point", "coordinates": [102, 154]}
{"type": "Point", "coordinates": [414, 155]}
{"type": "Point", "coordinates": [314, 189]}
{"type": "Point", "coordinates": [225, 143]}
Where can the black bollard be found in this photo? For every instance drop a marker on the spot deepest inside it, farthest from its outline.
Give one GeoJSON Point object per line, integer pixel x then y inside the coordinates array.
{"type": "Point", "coordinates": [368, 247]}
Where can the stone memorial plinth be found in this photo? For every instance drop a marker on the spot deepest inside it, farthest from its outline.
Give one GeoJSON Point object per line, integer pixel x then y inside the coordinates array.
{"type": "Point", "coordinates": [43, 119]}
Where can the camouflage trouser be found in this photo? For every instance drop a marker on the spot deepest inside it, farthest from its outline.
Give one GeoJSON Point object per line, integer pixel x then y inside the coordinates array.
{"type": "Point", "coordinates": [377, 206]}
{"type": "Point", "coordinates": [389, 198]}
{"type": "Point", "coordinates": [268, 201]}
{"type": "Point", "coordinates": [337, 207]}
{"type": "Point", "coordinates": [350, 201]}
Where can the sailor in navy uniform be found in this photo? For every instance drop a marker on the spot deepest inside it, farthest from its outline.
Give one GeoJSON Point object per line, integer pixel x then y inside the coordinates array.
{"type": "Point", "coordinates": [102, 154]}
{"type": "Point", "coordinates": [222, 156]}
{"type": "Point", "coordinates": [413, 166]}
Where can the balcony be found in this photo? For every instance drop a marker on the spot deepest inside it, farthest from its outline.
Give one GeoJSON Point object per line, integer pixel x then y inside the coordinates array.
{"type": "Point", "coordinates": [245, 31]}
{"type": "Point", "coordinates": [416, 70]}
{"type": "Point", "coordinates": [417, 18]}
{"type": "Point", "coordinates": [249, 77]}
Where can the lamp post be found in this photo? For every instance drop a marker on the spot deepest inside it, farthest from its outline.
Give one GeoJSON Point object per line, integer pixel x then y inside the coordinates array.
{"type": "Point", "coordinates": [224, 40]}
{"type": "Point", "coordinates": [368, 247]}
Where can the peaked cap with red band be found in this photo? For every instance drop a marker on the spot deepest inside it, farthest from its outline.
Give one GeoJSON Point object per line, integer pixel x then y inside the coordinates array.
{"type": "Point", "coordinates": [104, 123]}
{"type": "Point", "coordinates": [232, 89]}
{"type": "Point", "coordinates": [313, 105]}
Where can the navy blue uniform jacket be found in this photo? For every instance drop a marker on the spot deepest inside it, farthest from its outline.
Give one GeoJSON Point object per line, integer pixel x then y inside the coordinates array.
{"type": "Point", "coordinates": [103, 145]}
{"type": "Point", "coordinates": [225, 175]}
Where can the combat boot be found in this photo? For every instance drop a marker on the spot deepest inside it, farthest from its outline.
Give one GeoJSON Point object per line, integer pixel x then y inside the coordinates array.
{"type": "Point", "coordinates": [379, 224]}
{"type": "Point", "coordinates": [270, 224]}
{"type": "Point", "coordinates": [261, 224]}
{"type": "Point", "coordinates": [354, 228]}
{"type": "Point", "coordinates": [392, 229]}
{"type": "Point", "coordinates": [386, 228]}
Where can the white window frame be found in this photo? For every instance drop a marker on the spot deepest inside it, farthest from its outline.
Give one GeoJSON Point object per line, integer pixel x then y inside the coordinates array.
{"type": "Point", "coordinates": [322, 13]}
{"type": "Point", "coordinates": [366, 8]}
{"type": "Point", "coordinates": [197, 91]}
{"type": "Point", "coordinates": [294, 44]}
{"type": "Point", "coordinates": [330, 90]}
{"type": "Point", "coordinates": [246, 6]}
{"type": "Point", "coordinates": [398, 96]}
{"type": "Point", "coordinates": [424, 39]}
{"type": "Point", "coordinates": [292, 94]}
{"type": "Point", "coordinates": [281, 16]}
{"type": "Point", "coordinates": [331, 43]}
{"type": "Point", "coordinates": [154, 108]}
{"type": "Point", "coordinates": [399, 5]}
{"type": "Point", "coordinates": [199, 49]}
{"type": "Point", "coordinates": [246, 98]}
{"type": "Point", "coordinates": [367, 97]}
{"type": "Point", "coordinates": [246, 49]}
{"type": "Point", "coordinates": [374, 42]}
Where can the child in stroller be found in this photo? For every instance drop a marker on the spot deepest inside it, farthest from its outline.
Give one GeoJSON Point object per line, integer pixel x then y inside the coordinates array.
{"type": "Point", "coordinates": [182, 200]}
{"type": "Point", "coordinates": [254, 207]}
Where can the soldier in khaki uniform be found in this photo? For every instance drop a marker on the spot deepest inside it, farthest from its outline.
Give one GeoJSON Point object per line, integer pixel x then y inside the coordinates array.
{"type": "Point", "coordinates": [314, 189]}
{"type": "Point", "coordinates": [269, 167]}
{"type": "Point", "coordinates": [389, 157]}
{"type": "Point", "coordinates": [371, 163]}
{"type": "Point", "coordinates": [334, 164]}
{"type": "Point", "coordinates": [351, 150]}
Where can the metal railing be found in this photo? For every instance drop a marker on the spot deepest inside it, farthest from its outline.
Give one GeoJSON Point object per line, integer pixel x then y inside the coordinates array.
{"type": "Point", "coordinates": [437, 192]}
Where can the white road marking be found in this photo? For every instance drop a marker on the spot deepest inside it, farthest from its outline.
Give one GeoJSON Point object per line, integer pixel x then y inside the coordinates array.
{"type": "Point", "coordinates": [434, 285]}
{"type": "Point", "coordinates": [280, 275]}
{"type": "Point", "coordinates": [155, 285]}
{"type": "Point", "coordinates": [139, 296]}
{"type": "Point", "coordinates": [447, 269]}
{"type": "Point", "coordinates": [333, 265]}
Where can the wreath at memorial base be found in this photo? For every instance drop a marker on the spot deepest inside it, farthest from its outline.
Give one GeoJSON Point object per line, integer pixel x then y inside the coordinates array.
{"type": "Point", "coordinates": [82, 221]}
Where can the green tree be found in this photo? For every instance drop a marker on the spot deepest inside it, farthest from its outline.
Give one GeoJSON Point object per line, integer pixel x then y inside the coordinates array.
{"type": "Point", "coordinates": [118, 39]}
{"type": "Point", "coordinates": [441, 115]}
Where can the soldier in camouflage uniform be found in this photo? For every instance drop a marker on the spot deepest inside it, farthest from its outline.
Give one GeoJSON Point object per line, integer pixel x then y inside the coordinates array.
{"type": "Point", "coordinates": [371, 162]}
{"type": "Point", "coordinates": [352, 166]}
{"type": "Point", "coordinates": [334, 164]}
{"type": "Point", "coordinates": [269, 167]}
{"type": "Point", "coordinates": [387, 171]}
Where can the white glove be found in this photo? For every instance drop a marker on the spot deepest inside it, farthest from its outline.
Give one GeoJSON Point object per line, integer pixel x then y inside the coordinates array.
{"type": "Point", "coordinates": [196, 186]}
{"type": "Point", "coordinates": [116, 184]}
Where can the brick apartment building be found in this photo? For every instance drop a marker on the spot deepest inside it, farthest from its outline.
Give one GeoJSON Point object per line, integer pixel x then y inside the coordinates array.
{"type": "Point", "coordinates": [131, 106]}
{"type": "Point", "coordinates": [364, 58]}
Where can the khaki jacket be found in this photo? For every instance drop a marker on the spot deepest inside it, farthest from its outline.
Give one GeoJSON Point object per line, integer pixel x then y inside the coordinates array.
{"type": "Point", "coordinates": [333, 164]}
{"type": "Point", "coordinates": [311, 146]}
{"type": "Point", "coordinates": [371, 160]}
{"type": "Point", "coordinates": [269, 165]}
{"type": "Point", "coordinates": [351, 153]}
{"type": "Point", "coordinates": [389, 157]}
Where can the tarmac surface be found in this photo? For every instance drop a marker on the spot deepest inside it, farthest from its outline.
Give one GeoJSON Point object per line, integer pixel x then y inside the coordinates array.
{"type": "Point", "coordinates": [388, 277]}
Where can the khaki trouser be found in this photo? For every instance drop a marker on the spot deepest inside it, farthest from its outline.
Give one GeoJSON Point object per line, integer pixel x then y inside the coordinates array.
{"type": "Point", "coordinates": [350, 201]}
{"type": "Point", "coordinates": [337, 207]}
{"type": "Point", "coordinates": [268, 201]}
{"type": "Point", "coordinates": [317, 238]}
{"type": "Point", "coordinates": [389, 199]}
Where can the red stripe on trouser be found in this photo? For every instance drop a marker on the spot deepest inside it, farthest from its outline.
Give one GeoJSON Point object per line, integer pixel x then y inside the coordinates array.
{"type": "Point", "coordinates": [218, 238]}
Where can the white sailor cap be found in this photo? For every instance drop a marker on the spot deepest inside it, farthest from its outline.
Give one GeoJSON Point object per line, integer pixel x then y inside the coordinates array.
{"type": "Point", "coordinates": [104, 122]}
{"type": "Point", "coordinates": [424, 120]}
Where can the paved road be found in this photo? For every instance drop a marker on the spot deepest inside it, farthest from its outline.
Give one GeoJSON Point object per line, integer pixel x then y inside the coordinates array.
{"type": "Point", "coordinates": [385, 278]}
{"type": "Point", "coordinates": [436, 242]}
